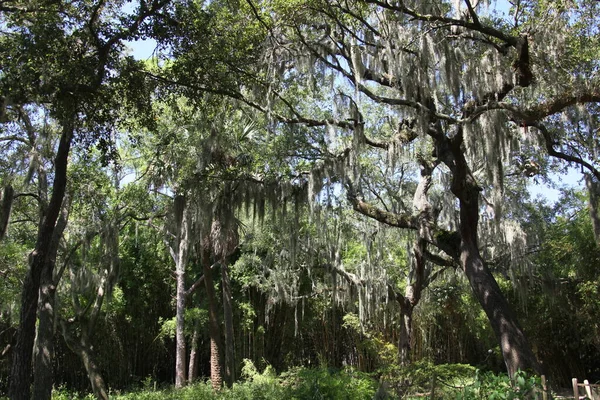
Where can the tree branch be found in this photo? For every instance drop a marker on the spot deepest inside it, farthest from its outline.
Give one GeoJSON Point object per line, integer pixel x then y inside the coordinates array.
{"type": "Point", "coordinates": [549, 142]}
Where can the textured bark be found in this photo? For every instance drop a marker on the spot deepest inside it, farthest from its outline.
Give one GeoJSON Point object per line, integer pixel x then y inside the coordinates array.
{"type": "Point", "coordinates": [404, 339]}
{"type": "Point", "coordinates": [179, 332]}
{"type": "Point", "coordinates": [83, 349]}
{"type": "Point", "coordinates": [23, 351]}
{"type": "Point", "coordinates": [44, 351]}
{"type": "Point", "coordinates": [6, 206]}
{"type": "Point", "coordinates": [43, 377]}
{"type": "Point", "coordinates": [515, 348]}
{"type": "Point", "coordinates": [229, 363]}
{"type": "Point", "coordinates": [180, 256]}
{"type": "Point", "coordinates": [96, 380]}
{"type": "Point", "coordinates": [593, 187]}
{"type": "Point", "coordinates": [193, 363]}
{"type": "Point", "coordinates": [411, 298]}
{"type": "Point", "coordinates": [216, 376]}
{"type": "Point", "coordinates": [417, 277]}
{"type": "Point", "coordinates": [516, 351]}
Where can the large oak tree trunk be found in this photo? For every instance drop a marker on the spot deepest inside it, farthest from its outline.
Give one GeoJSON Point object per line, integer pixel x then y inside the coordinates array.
{"type": "Point", "coordinates": [43, 379]}
{"type": "Point", "coordinates": [515, 348]}
{"type": "Point", "coordinates": [516, 351]}
{"type": "Point", "coordinates": [404, 346]}
{"type": "Point", "coordinates": [82, 347]}
{"type": "Point", "coordinates": [22, 354]}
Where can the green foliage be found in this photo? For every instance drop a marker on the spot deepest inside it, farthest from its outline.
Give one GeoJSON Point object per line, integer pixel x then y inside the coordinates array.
{"type": "Point", "coordinates": [192, 316]}
{"type": "Point", "coordinates": [371, 344]}
{"type": "Point", "coordinates": [296, 384]}
{"type": "Point", "coordinates": [326, 383]}
{"type": "Point", "coordinates": [456, 381]}
{"type": "Point", "coordinates": [13, 263]}
{"type": "Point", "coordinates": [500, 387]}
{"type": "Point", "coordinates": [560, 307]}
{"type": "Point", "coordinates": [417, 377]}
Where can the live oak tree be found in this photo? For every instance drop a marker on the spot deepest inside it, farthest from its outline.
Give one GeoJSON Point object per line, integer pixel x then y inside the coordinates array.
{"type": "Point", "coordinates": [465, 90]}
{"type": "Point", "coordinates": [66, 59]}
{"type": "Point", "coordinates": [424, 116]}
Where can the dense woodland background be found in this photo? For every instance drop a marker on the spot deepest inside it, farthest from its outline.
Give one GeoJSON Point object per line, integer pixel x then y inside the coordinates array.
{"type": "Point", "coordinates": [296, 184]}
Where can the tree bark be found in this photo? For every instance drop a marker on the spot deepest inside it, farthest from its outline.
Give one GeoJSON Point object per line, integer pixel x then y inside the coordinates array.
{"type": "Point", "coordinates": [43, 377]}
{"type": "Point", "coordinates": [22, 353]}
{"type": "Point", "coordinates": [94, 375]}
{"type": "Point", "coordinates": [593, 187]}
{"type": "Point", "coordinates": [6, 206]}
{"type": "Point", "coordinates": [417, 277]}
{"type": "Point", "coordinates": [516, 351]}
{"type": "Point", "coordinates": [216, 375]}
{"type": "Point", "coordinates": [228, 316]}
{"type": "Point", "coordinates": [404, 346]}
{"type": "Point", "coordinates": [180, 351]}
{"type": "Point", "coordinates": [182, 223]}
{"type": "Point", "coordinates": [515, 348]}
{"type": "Point", "coordinates": [83, 349]}
{"type": "Point", "coordinates": [411, 298]}
{"type": "Point", "coordinates": [193, 362]}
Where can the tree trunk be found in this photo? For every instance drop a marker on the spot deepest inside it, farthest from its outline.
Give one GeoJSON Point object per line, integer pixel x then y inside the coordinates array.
{"type": "Point", "coordinates": [182, 223]}
{"type": "Point", "coordinates": [179, 332]}
{"type": "Point", "coordinates": [43, 377]}
{"type": "Point", "coordinates": [412, 296]}
{"type": "Point", "coordinates": [404, 347]}
{"type": "Point", "coordinates": [228, 316]}
{"type": "Point", "coordinates": [193, 363]}
{"type": "Point", "coordinates": [416, 279]}
{"type": "Point", "coordinates": [216, 377]}
{"type": "Point", "coordinates": [515, 348]}
{"type": "Point", "coordinates": [593, 187]}
{"type": "Point", "coordinates": [216, 346]}
{"type": "Point", "coordinates": [6, 200]}
{"type": "Point", "coordinates": [96, 380]}
{"type": "Point", "coordinates": [84, 350]}
{"type": "Point", "coordinates": [22, 353]}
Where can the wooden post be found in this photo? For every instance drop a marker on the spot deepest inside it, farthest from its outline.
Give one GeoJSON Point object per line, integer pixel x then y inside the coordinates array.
{"type": "Point", "coordinates": [575, 389]}
{"type": "Point", "coordinates": [588, 389]}
{"type": "Point", "coordinates": [544, 388]}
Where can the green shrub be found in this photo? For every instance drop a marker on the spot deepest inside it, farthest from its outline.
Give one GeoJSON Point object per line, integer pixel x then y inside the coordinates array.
{"type": "Point", "coordinates": [418, 378]}
{"type": "Point", "coordinates": [449, 381]}
{"type": "Point", "coordinates": [327, 383]}
{"type": "Point", "coordinates": [500, 387]}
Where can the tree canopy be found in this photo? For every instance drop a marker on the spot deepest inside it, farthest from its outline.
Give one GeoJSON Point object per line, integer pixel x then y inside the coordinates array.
{"type": "Point", "coordinates": [326, 181]}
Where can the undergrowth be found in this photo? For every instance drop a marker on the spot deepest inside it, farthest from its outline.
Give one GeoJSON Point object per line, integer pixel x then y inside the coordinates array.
{"type": "Point", "coordinates": [420, 380]}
